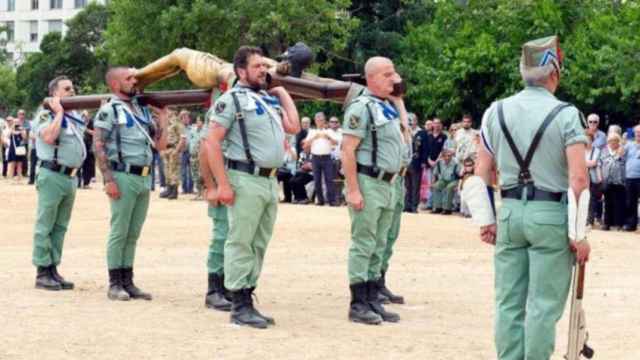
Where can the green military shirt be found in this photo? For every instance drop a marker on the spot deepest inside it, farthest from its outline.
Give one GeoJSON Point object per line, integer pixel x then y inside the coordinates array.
{"type": "Point", "coordinates": [357, 122]}
{"type": "Point", "coordinates": [263, 121]}
{"type": "Point", "coordinates": [447, 171]}
{"type": "Point", "coordinates": [135, 131]}
{"type": "Point", "coordinates": [71, 149]}
{"type": "Point", "coordinates": [524, 113]}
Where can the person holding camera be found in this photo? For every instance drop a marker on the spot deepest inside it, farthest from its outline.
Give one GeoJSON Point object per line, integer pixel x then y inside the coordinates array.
{"type": "Point", "coordinates": [15, 138]}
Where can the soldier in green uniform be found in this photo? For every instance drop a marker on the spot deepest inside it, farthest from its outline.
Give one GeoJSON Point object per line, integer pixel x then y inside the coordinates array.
{"type": "Point", "coordinates": [176, 143]}
{"type": "Point", "coordinates": [125, 131]}
{"type": "Point", "coordinates": [60, 148]}
{"type": "Point", "coordinates": [394, 231]}
{"type": "Point", "coordinates": [373, 147]}
{"type": "Point", "coordinates": [195, 136]}
{"type": "Point", "coordinates": [537, 143]}
{"type": "Point", "coordinates": [253, 123]}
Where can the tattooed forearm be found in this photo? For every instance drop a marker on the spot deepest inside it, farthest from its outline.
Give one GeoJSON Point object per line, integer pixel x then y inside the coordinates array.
{"type": "Point", "coordinates": [158, 134]}
{"type": "Point", "coordinates": [100, 139]}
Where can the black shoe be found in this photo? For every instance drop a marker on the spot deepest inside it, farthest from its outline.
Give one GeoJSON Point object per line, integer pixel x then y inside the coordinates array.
{"type": "Point", "coordinates": [66, 285]}
{"type": "Point", "coordinates": [628, 228]}
{"type": "Point", "coordinates": [166, 192]}
{"type": "Point", "coordinates": [359, 309]}
{"type": "Point", "coordinates": [376, 306]}
{"type": "Point", "coordinates": [446, 212]}
{"type": "Point", "coordinates": [242, 310]}
{"type": "Point", "coordinates": [128, 286]}
{"type": "Point", "coordinates": [436, 211]}
{"type": "Point", "coordinates": [173, 195]}
{"type": "Point", "coordinates": [268, 319]}
{"type": "Point", "coordinates": [116, 291]}
{"type": "Point", "coordinates": [45, 280]}
{"type": "Point", "coordinates": [605, 227]}
{"type": "Point", "coordinates": [215, 298]}
{"type": "Point", "coordinates": [386, 293]}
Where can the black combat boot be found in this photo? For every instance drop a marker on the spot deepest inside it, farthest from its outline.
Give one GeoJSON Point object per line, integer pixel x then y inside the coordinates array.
{"type": "Point", "coordinates": [116, 291]}
{"type": "Point", "coordinates": [215, 298]}
{"type": "Point", "coordinates": [268, 319]}
{"type": "Point", "coordinates": [359, 310]}
{"type": "Point", "coordinates": [166, 192]}
{"type": "Point", "coordinates": [376, 305]}
{"type": "Point", "coordinates": [384, 292]}
{"type": "Point", "coordinates": [45, 280]}
{"type": "Point", "coordinates": [173, 195]}
{"type": "Point", "coordinates": [66, 285]}
{"type": "Point", "coordinates": [242, 310]}
{"type": "Point", "coordinates": [128, 285]}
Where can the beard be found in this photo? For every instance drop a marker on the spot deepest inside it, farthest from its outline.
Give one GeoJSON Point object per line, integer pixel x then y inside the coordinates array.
{"type": "Point", "coordinates": [257, 83]}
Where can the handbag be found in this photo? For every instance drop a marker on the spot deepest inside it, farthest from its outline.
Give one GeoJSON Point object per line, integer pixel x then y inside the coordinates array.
{"type": "Point", "coordinates": [21, 150]}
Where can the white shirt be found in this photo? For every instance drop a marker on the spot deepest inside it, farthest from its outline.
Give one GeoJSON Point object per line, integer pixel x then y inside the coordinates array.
{"type": "Point", "coordinates": [321, 145]}
{"type": "Point", "coordinates": [337, 134]}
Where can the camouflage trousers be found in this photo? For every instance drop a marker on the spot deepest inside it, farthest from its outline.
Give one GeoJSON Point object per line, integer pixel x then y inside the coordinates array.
{"type": "Point", "coordinates": [171, 158]}
{"type": "Point", "coordinates": [195, 171]}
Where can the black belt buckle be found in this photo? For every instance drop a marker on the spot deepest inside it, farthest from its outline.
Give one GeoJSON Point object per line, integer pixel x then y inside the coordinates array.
{"type": "Point", "coordinates": [387, 176]}
{"type": "Point", "coordinates": [267, 172]}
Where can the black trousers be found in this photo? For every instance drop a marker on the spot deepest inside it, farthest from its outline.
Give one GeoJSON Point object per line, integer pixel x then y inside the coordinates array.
{"type": "Point", "coordinates": [614, 205]}
{"type": "Point", "coordinates": [633, 191]}
{"type": "Point", "coordinates": [285, 178]}
{"type": "Point", "coordinates": [323, 168]}
{"type": "Point", "coordinates": [595, 203]}
{"type": "Point", "coordinates": [412, 183]}
{"type": "Point", "coordinates": [88, 170]}
{"type": "Point", "coordinates": [32, 166]}
{"type": "Point", "coordinates": [298, 183]}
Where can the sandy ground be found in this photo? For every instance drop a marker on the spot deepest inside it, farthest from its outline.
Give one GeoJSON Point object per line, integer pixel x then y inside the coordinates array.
{"type": "Point", "coordinates": [440, 267]}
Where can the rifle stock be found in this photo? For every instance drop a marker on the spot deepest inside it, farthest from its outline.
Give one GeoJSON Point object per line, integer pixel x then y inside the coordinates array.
{"type": "Point", "coordinates": [578, 334]}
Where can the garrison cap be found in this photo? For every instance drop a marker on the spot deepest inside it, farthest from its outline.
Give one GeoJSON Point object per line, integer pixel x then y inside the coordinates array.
{"type": "Point", "coordinates": [540, 52]}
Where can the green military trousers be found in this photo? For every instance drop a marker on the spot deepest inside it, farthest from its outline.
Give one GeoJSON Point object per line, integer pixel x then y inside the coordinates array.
{"type": "Point", "coordinates": [220, 222]}
{"type": "Point", "coordinates": [443, 192]}
{"type": "Point", "coordinates": [394, 230]}
{"type": "Point", "coordinates": [370, 229]}
{"type": "Point", "coordinates": [532, 277]}
{"type": "Point", "coordinates": [56, 194]}
{"type": "Point", "coordinates": [128, 214]}
{"type": "Point", "coordinates": [251, 220]}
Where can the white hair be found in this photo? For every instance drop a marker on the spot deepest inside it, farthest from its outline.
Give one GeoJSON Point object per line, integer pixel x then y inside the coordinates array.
{"type": "Point", "coordinates": [614, 129]}
{"type": "Point", "coordinates": [537, 75]}
{"type": "Point", "coordinates": [593, 117]}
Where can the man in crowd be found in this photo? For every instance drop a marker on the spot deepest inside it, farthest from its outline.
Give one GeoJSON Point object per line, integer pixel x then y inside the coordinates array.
{"type": "Point", "coordinates": [172, 157]}
{"type": "Point", "coordinates": [464, 138]}
{"type": "Point", "coordinates": [599, 137]}
{"type": "Point", "coordinates": [60, 147]}
{"type": "Point", "coordinates": [252, 122]}
{"type": "Point", "coordinates": [195, 135]}
{"type": "Point", "coordinates": [125, 132]}
{"type": "Point", "coordinates": [446, 173]}
{"type": "Point", "coordinates": [305, 124]}
{"type": "Point", "coordinates": [420, 153]}
{"type": "Point", "coordinates": [320, 141]}
{"type": "Point", "coordinates": [533, 258]}
{"type": "Point", "coordinates": [371, 161]}
{"type": "Point", "coordinates": [632, 182]}
{"type": "Point", "coordinates": [435, 142]}
{"type": "Point", "coordinates": [185, 158]}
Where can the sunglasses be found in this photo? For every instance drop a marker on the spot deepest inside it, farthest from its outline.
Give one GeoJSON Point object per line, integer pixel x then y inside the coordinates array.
{"type": "Point", "coordinates": [592, 122]}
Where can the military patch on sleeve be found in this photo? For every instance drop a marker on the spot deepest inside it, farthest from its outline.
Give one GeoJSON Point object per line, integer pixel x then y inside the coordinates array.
{"type": "Point", "coordinates": [354, 122]}
{"type": "Point", "coordinates": [220, 106]}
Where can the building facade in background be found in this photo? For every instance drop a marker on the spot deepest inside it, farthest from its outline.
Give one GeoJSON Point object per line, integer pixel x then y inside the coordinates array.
{"type": "Point", "coordinates": [28, 21]}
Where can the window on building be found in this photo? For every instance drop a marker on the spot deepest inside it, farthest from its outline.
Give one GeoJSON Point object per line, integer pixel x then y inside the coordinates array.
{"type": "Point", "coordinates": [35, 4]}
{"type": "Point", "coordinates": [10, 31]}
{"type": "Point", "coordinates": [55, 4]}
{"type": "Point", "coordinates": [33, 31]}
{"type": "Point", "coordinates": [11, 5]}
{"type": "Point", "coordinates": [81, 3]}
{"type": "Point", "coordinates": [55, 25]}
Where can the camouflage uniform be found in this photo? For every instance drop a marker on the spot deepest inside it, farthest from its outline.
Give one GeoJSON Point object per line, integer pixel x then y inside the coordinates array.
{"type": "Point", "coordinates": [195, 136]}
{"type": "Point", "coordinates": [171, 156]}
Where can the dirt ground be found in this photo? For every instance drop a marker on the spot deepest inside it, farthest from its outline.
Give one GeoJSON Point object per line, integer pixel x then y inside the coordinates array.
{"type": "Point", "coordinates": [440, 266]}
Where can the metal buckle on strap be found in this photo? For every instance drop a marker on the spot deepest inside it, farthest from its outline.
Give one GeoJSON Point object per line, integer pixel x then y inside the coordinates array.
{"type": "Point", "coordinates": [145, 171]}
{"type": "Point", "coordinates": [403, 171]}
{"type": "Point", "coordinates": [273, 172]}
{"type": "Point", "coordinates": [393, 178]}
{"type": "Point", "coordinates": [74, 171]}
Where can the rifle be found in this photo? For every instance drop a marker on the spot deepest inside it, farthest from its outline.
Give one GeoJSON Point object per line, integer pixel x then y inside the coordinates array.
{"type": "Point", "coordinates": [578, 335]}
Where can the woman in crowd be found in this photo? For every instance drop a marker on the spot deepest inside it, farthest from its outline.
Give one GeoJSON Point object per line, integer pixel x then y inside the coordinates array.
{"type": "Point", "coordinates": [15, 138]}
{"type": "Point", "coordinates": [286, 172]}
{"type": "Point", "coordinates": [594, 164]}
{"type": "Point", "coordinates": [613, 175]}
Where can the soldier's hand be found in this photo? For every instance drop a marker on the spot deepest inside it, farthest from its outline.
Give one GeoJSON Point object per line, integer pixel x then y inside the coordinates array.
{"type": "Point", "coordinates": [55, 106]}
{"type": "Point", "coordinates": [355, 200]}
{"type": "Point", "coordinates": [226, 195]}
{"type": "Point", "coordinates": [211, 196]}
{"type": "Point", "coordinates": [582, 250]}
{"type": "Point", "coordinates": [488, 234]}
{"type": "Point", "coordinates": [111, 188]}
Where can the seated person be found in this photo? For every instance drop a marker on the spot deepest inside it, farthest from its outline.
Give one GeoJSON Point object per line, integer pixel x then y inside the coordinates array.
{"type": "Point", "coordinates": [467, 172]}
{"type": "Point", "coordinates": [445, 181]}
{"type": "Point", "coordinates": [303, 176]}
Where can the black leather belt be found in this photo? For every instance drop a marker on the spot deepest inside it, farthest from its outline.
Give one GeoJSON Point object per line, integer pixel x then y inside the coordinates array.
{"type": "Point", "coordinates": [251, 168]}
{"type": "Point", "coordinates": [380, 175]}
{"type": "Point", "coordinates": [533, 194]}
{"type": "Point", "coordinates": [320, 156]}
{"type": "Point", "coordinates": [54, 166]}
{"type": "Point", "coordinates": [131, 169]}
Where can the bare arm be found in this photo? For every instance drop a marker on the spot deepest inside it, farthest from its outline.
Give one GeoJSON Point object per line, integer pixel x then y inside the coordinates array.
{"type": "Point", "coordinates": [160, 137]}
{"type": "Point", "coordinates": [349, 168]}
{"type": "Point", "coordinates": [100, 141]}
{"type": "Point", "coordinates": [578, 179]}
{"type": "Point", "coordinates": [51, 132]}
{"type": "Point", "coordinates": [213, 147]}
{"type": "Point", "coordinates": [290, 118]}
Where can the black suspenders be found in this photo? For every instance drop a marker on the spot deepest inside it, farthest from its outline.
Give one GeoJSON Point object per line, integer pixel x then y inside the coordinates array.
{"type": "Point", "coordinates": [243, 127]}
{"type": "Point", "coordinates": [374, 139]}
{"type": "Point", "coordinates": [524, 177]}
{"type": "Point", "coordinates": [118, 137]}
